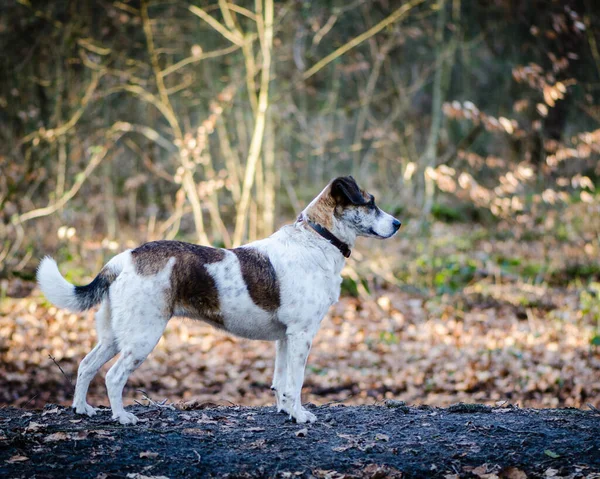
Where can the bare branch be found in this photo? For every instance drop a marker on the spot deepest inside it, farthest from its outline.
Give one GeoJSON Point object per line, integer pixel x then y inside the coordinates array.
{"type": "Point", "coordinates": [224, 6]}
{"type": "Point", "coordinates": [231, 36]}
{"type": "Point", "coordinates": [149, 98]}
{"type": "Point", "coordinates": [259, 125]}
{"type": "Point", "coordinates": [53, 133]}
{"type": "Point", "coordinates": [324, 30]}
{"type": "Point", "coordinates": [148, 132]}
{"type": "Point", "coordinates": [96, 159]}
{"type": "Point", "coordinates": [193, 59]}
{"type": "Point", "coordinates": [242, 11]}
{"type": "Point", "coordinates": [394, 17]}
{"type": "Point", "coordinates": [160, 84]}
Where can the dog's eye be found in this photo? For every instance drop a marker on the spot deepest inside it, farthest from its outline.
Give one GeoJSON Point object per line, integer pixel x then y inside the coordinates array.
{"type": "Point", "coordinates": [371, 203]}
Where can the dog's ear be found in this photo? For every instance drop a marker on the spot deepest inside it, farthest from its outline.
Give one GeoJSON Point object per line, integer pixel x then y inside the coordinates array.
{"type": "Point", "coordinates": [345, 191]}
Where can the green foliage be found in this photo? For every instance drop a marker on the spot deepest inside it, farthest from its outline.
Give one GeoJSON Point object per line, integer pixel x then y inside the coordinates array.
{"type": "Point", "coordinates": [447, 274]}
{"type": "Point", "coordinates": [461, 212]}
{"type": "Point", "coordinates": [447, 213]}
{"type": "Point", "coordinates": [589, 302]}
{"type": "Point", "coordinates": [76, 274]}
{"type": "Point", "coordinates": [388, 337]}
{"type": "Point", "coordinates": [576, 271]}
{"type": "Point", "coordinates": [349, 287]}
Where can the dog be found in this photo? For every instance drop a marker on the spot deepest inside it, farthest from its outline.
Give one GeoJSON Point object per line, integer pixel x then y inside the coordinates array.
{"type": "Point", "coordinates": [275, 289]}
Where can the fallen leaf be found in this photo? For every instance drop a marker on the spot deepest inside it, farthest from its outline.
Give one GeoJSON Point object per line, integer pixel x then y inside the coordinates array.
{"type": "Point", "coordinates": [482, 471]}
{"type": "Point", "coordinates": [57, 436]}
{"type": "Point", "coordinates": [14, 459]}
{"type": "Point", "coordinates": [148, 454]}
{"type": "Point", "coordinates": [33, 426]}
{"type": "Point", "coordinates": [195, 404]}
{"type": "Point", "coordinates": [137, 475]}
{"type": "Point", "coordinates": [382, 437]}
{"type": "Point", "coordinates": [204, 419]}
{"type": "Point", "coordinates": [80, 436]}
{"type": "Point", "coordinates": [259, 444]}
{"type": "Point", "coordinates": [195, 431]}
{"type": "Point", "coordinates": [255, 429]}
{"type": "Point", "coordinates": [342, 448]}
{"type": "Point", "coordinates": [302, 432]}
{"type": "Point", "coordinates": [551, 454]}
{"type": "Point", "coordinates": [513, 473]}
{"type": "Point", "coordinates": [51, 411]}
{"type": "Point", "coordinates": [376, 471]}
{"type": "Point", "coordinates": [103, 434]}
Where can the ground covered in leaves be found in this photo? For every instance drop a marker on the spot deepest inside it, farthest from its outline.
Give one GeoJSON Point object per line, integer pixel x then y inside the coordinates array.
{"type": "Point", "coordinates": [391, 440]}
{"type": "Point", "coordinates": [467, 314]}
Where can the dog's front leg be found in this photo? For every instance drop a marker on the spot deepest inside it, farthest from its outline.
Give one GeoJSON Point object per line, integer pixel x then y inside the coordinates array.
{"type": "Point", "coordinates": [280, 373]}
{"type": "Point", "coordinates": [297, 352]}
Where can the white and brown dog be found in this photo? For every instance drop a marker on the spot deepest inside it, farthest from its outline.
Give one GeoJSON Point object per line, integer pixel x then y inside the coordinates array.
{"type": "Point", "coordinates": [276, 289]}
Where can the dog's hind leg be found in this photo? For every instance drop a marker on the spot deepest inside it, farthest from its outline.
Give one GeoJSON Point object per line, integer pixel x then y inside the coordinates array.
{"type": "Point", "coordinates": [104, 351]}
{"type": "Point", "coordinates": [136, 339]}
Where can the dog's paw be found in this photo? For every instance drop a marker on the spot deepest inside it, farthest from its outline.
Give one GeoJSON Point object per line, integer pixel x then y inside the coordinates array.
{"type": "Point", "coordinates": [283, 409]}
{"type": "Point", "coordinates": [125, 418]}
{"type": "Point", "coordinates": [86, 409]}
{"type": "Point", "coordinates": [283, 406]}
{"type": "Point", "coordinates": [302, 415]}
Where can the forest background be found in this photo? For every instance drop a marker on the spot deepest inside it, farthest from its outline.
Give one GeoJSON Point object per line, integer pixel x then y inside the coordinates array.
{"type": "Point", "coordinates": [474, 122]}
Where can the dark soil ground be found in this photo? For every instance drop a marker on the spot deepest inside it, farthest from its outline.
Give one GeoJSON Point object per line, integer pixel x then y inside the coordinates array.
{"type": "Point", "coordinates": [391, 440]}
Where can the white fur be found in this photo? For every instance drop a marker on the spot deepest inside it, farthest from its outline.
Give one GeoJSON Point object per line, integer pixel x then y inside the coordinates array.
{"type": "Point", "coordinates": [133, 316]}
{"type": "Point", "coordinates": [56, 288]}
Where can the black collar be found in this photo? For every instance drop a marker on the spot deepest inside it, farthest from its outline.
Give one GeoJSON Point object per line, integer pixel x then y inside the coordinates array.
{"type": "Point", "coordinates": [329, 236]}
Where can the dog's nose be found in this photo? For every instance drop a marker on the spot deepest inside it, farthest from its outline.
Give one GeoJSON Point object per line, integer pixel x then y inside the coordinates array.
{"type": "Point", "coordinates": [396, 225]}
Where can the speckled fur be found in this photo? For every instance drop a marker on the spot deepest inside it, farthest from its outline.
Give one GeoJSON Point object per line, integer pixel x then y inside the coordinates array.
{"type": "Point", "coordinates": [276, 289]}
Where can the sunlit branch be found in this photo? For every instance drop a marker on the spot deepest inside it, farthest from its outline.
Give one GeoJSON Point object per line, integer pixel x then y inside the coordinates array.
{"type": "Point", "coordinates": [231, 36]}
{"type": "Point", "coordinates": [259, 126]}
{"type": "Point", "coordinates": [194, 59]}
{"type": "Point", "coordinates": [394, 17]}
{"type": "Point", "coordinates": [95, 160]}
{"type": "Point", "coordinates": [54, 133]}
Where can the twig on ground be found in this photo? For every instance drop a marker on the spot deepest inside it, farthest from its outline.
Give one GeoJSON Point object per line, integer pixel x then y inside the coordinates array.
{"type": "Point", "coordinates": [152, 402]}
{"type": "Point", "coordinates": [498, 426]}
{"type": "Point", "coordinates": [63, 373]}
{"type": "Point", "coordinates": [593, 408]}
{"type": "Point", "coordinates": [338, 401]}
{"type": "Point", "coordinates": [29, 400]}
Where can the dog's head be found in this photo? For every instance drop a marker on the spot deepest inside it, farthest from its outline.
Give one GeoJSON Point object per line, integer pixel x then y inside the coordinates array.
{"type": "Point", "coordinates": [348, 212]}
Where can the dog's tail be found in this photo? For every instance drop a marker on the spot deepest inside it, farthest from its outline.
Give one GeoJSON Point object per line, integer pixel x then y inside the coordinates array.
{"type": "Point", "coordinates": [77, 298]}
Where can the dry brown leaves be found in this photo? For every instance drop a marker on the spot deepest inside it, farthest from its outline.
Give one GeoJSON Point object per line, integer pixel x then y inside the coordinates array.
{"type": "Point", "coordinates": [479, 345]}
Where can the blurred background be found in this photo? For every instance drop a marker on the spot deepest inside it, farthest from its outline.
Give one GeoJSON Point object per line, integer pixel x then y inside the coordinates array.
{"type": "Point", "coordinates": [477, 123]}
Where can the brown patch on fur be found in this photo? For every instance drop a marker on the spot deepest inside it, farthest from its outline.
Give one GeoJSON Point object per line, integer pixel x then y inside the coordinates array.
{"type": "Point", "coordinates": [260, 278]}
{"type": "Point", "coordinates": [321, 212]}
{"type": "Point", "coordinates": [342, 192]}
{"type": "Point", "coordinates": [192, 288]}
